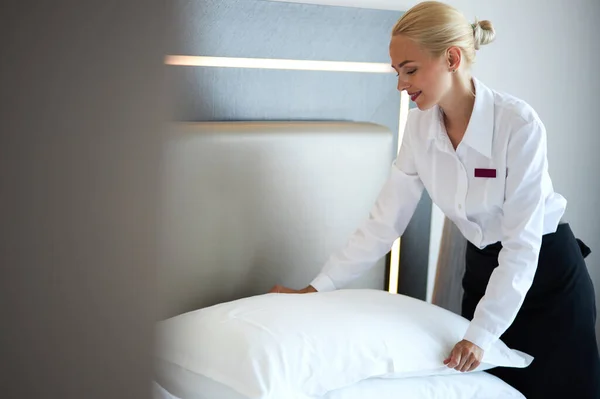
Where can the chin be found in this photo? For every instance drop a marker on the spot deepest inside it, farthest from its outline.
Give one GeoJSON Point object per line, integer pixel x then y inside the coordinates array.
{"type": "Point", "coordinates": [425, 106]}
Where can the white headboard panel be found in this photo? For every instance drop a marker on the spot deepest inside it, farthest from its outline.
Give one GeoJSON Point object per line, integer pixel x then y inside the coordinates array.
{"type": "Point", "coordinates": [246, 205]}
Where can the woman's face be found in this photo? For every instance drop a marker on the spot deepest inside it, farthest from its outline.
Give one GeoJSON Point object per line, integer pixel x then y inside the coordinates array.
{"type": "Point", "coordinates": [425, 78]}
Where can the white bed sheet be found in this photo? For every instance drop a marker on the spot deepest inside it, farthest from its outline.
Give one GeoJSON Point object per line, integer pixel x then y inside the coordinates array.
{"type": "Point", "coordinates": [176, 383]}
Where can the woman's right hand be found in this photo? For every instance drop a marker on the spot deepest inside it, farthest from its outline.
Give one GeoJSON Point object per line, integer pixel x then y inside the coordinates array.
{"type": "Point", "coordinates": [280, 289]}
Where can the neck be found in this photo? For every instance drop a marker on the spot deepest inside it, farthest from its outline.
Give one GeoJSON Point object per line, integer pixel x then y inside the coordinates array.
{"type": "Point", "coordinates": [458, 106]}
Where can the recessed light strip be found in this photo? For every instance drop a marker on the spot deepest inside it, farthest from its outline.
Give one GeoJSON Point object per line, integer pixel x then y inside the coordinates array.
{"type": "Point", "coordinates": [269, 63]}
{"type": "Point", "coordinates": [395, 252]}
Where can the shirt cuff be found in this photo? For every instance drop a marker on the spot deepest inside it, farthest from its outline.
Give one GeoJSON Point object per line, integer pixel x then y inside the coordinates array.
{"type": "Point", "coordinates": [322, 283]}
{"type": "Point", "coordinates": [480, 337]}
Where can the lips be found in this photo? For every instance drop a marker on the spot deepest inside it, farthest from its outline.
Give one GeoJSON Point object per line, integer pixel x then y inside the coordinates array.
{"type": "Point", "coordinates": [414, 96]}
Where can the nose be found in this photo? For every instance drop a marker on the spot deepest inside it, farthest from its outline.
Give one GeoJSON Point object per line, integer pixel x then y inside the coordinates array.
{"type": "Point", "coordinates": [402, 85]}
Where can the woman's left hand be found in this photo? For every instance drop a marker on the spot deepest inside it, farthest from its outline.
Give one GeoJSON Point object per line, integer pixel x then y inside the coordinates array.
{"type": "Point", "coordinates": [466, 356]}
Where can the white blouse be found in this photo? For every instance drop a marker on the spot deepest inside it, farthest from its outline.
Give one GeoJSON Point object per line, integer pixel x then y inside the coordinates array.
{"type": "Point", "coordinates": [495, 187]}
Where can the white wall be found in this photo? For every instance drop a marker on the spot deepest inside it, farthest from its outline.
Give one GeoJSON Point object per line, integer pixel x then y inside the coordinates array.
{"type": "Point", "coordinates": [548, 54]}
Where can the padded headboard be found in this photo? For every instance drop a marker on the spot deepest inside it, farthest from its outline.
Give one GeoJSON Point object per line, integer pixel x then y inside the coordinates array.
{"type": "Point", "coordinates": [246, 205]}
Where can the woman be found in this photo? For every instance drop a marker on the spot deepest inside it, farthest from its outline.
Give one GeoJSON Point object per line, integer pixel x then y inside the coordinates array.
{"type": "Point", "coordinates": [481, 155]}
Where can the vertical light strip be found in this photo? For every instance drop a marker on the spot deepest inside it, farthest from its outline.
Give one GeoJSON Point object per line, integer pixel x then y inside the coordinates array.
{"type": "Point", "coordinates": [395, 252]}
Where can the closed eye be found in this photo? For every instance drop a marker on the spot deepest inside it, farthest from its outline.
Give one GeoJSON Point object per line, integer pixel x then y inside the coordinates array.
{"type": "Point", "coordinates": [411, 72]}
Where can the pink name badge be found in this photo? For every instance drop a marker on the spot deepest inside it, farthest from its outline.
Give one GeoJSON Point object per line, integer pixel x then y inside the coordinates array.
{"type": "Point", "coordinates": [490, 173]}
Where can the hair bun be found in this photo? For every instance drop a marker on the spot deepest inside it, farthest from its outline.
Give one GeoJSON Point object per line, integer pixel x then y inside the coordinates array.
{"type": "Point", "coordinates": [483, 33]}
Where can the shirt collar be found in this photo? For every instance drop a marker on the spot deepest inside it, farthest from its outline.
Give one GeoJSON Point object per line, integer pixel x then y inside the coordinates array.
{"type": "Point", "coordinates": [480, 130]}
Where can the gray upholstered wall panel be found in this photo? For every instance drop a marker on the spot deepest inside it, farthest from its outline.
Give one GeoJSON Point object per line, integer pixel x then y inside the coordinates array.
{"type": "Point", "coordinates": [448, 290]}
{"type": "Point", "coordinates": [226, 94]}
{"type": "Point", "coordinates": [414, 252]}
{"type": "Point", "coordinates": [265, 29]}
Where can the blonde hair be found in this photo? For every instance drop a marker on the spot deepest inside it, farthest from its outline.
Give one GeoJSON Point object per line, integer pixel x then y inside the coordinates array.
{"type": "Point", "coordinates": [437, 26]}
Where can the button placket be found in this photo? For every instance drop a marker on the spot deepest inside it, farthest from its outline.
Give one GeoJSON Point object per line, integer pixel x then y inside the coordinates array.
{"type": "Point", "coordinates": [475, 226]}
{"type": "Point", "coordinates": [461, 193]}
{"type": "Point", "coordinates": [463, 187]}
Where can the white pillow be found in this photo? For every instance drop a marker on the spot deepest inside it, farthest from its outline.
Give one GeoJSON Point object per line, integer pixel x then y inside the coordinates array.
{"type": "Point", "coordinates": [476, 385]}
{"type": "Point", "coordinates": [277, 346]}
{"type": "Point", "coordinates": [178, 383]}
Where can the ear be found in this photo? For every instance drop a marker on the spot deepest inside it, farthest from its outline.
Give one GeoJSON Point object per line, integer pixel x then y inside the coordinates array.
{"type": "Point", "coordinates": [453, 58]}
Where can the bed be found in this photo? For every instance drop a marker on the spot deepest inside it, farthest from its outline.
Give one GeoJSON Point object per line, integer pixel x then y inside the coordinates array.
{"type": "Point", "coordinates": [247, 205]}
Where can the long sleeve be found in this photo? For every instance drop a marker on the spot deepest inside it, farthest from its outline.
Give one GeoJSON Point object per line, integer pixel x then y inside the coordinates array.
{"type": "Point", "coordinates": [393, 209]}
{"type": "Point", "coordinates": [522, 230]}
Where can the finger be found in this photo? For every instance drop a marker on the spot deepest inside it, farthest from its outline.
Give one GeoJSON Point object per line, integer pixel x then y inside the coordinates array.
{"type": "Point", "coordinates": [463, 359]}
{"type": "Point", "coordinates": [448, 360]}
{"type": "Point", "coordinates": [280, 289]}
{"type": "Point", "coordinates": [475, 364]}
{"type": "Point", "coordinates": [454, 359]}
{"type": "Point", "coordinates": [467, 365]}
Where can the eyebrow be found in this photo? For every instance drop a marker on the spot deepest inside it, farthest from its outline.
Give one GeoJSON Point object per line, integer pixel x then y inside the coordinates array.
{"type": "Point", "coordinates": [400, 65]}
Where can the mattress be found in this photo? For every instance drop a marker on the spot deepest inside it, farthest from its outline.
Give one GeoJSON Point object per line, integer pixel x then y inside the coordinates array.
{"type": "Point", "coordinates": [174, 382]}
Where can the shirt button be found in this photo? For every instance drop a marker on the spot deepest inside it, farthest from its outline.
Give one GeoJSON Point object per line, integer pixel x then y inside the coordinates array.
{"type": "Point", "coordinates": [459, 206]}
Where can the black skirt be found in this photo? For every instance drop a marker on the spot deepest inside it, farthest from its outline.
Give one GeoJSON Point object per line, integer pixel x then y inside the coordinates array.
{"type": "Point", "coordinates": [555, 325]}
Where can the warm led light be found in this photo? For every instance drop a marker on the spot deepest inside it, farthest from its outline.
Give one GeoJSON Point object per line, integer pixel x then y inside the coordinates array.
{"type": "Point", "coordinates": [404, 108]}
{"type": "Point", "coordinates": [268, 63]}
{"type": "Point", "coordinates": [395, 252]}
{"type": "Point", "coordinates": [394, 267]}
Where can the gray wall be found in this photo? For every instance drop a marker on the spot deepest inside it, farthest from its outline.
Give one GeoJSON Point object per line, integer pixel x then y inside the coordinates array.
{"type": "Point", "coordinates": [80, 106]}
